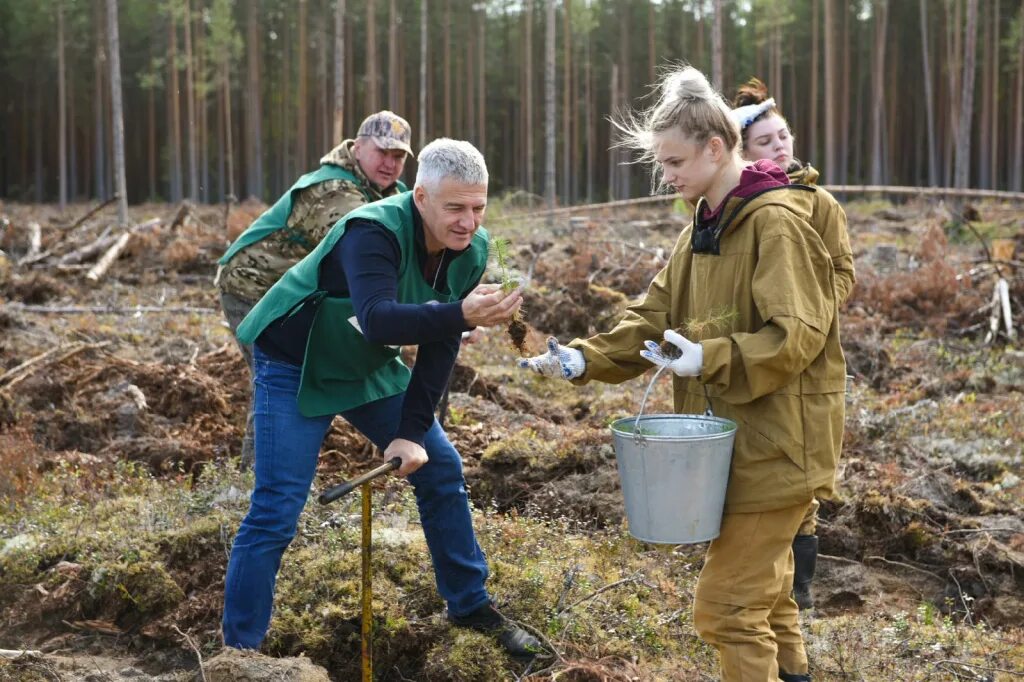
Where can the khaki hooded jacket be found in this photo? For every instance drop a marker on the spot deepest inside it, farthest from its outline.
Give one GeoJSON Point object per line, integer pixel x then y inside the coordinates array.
{"type": "Point", "coordinates": [762, 301]}
{"type": "Point", "coordinates": [829, 220]}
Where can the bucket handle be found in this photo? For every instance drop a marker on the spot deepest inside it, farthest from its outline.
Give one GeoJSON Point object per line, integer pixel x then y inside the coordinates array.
{"type": "Point", "coordinates": [638, 436]}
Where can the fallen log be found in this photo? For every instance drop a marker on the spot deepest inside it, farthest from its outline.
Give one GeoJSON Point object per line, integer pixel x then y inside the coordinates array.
{"type": "Point", "coordinates": [89, 250]}
{"type": "Point", "coordinates": [35, 244]}
{"type": "Point", "coordinates": [15, 654]}
{"type": "Point", "coordinates": [112, 253]}
{"type": "Point", "coordinates": [105, 310]}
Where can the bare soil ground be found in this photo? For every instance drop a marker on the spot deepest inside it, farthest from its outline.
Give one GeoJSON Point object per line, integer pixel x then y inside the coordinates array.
{"type": "Point", "coordinates": [122, 404]}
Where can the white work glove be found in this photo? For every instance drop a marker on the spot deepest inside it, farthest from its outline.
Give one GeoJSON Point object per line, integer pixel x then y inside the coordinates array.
{"type": "Point", "coordinates": [559, 361]}
{"type": "Point", "coordinates": [686, 365]}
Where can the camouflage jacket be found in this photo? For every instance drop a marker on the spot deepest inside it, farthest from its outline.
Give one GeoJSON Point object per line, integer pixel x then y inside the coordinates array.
{"type": "Point", "coordinates": [314, 211]}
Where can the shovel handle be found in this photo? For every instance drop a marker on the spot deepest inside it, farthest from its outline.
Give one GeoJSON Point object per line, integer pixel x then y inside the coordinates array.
{"type": "Point", "coordinates": [342, 489]}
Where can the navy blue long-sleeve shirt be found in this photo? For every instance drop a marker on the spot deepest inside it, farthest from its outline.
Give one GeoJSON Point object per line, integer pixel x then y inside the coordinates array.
{"type": "Point", "coordinates": [364, 266]}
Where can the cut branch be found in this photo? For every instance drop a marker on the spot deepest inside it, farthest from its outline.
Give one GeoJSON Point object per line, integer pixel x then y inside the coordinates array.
{"type": "Point", "coordinates": [50, 357]}
{"type": "Point", "coordinates": [93, 212]}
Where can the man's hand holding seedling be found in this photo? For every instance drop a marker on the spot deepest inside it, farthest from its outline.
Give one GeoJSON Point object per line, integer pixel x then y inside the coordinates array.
{"type": "Point", "coordinates": [684, 357]}
{"type": "Point", "coordinates": [488, 305]}
{"type": "Point", "coordinates": [559, 361]}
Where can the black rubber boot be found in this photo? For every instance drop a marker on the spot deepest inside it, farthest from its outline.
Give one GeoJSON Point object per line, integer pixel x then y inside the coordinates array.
{"type": "Point", "coordinates": [788, 677]}
{"type": "Point", "coordinates": [519, 643]}
{"type": "Point", "coordinates": [805, 557]}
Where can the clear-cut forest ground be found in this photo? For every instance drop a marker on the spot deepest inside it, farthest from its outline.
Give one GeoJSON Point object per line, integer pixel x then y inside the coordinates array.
{"type": "Point", "coordinates": [120, 491]}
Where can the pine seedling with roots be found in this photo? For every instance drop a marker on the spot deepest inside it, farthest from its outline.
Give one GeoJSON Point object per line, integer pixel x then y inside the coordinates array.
{"type": "Point", "coordinates": [696, 329]}
{"type": "Point", "coordinates": [516, 327]}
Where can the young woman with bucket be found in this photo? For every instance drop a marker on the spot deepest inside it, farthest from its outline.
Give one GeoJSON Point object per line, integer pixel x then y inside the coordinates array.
{"type": "Point", "coordinates": [748, 299]}
{"type": "Point", "coordinates": [765, 134]}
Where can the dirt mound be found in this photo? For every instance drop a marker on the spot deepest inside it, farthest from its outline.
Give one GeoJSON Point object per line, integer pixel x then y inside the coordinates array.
{"type": "Point", "coordinates": [577, 309]}
{"type": "Point", "coordinates": [232, 665]}
{"type": "Point", "coordinates": [34, 288]}
{"type": "Point", "coordinates": [168, 416]}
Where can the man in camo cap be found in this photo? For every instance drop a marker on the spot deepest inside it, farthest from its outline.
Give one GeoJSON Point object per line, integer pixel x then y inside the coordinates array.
{"type": "Point", "coordinates": [356, 172]}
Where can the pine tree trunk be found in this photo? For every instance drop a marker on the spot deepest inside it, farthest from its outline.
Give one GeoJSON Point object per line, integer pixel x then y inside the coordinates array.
{"type": "Point", "coordinates": [190, 106]}
{"type": "Point", "coordinates": [447, 40]}
{"type": "Point", "coordinates": [845, 106]}
{"type": "Point", "coordinates": [350, 78]}
{"type": "Point", "coordinates": [228, 143]}
{"type": "Point", "coordinates": [1017, 183]}
{"type": "Point", "coordinates": [994, 103]}
{"type": "Point", "coordinates": [285, 169]}
{"type": "Point", "coordinates": [549, 109]}
{"type": "Point", "coordinates": [339, 71]}
{"type": "Point", "coordinates": [470, 80]}
{"type": "Point", "coordinates": [151, 141]}
{"type": "Point", "coordinates": [878, 92]}
{"type": "Point", "coordinates": [117, 113]}
{"type": "Point", "coordinates": [651, 58]}
{"type": "Point", "coordinates": [373, 79]}
{"type": "Point", "coordinates": [613, 152]}
{"type": "Point", "coordinates": [302, 117]}
{"type": "Point", "coordinates": [963, 142]}
{"type": "Point", "coordinates": [423, 74]}
{"type": "Point", "coordinates": [253, 105]}
{"type": "Point", "coordinates": [481, 89]}
{"type": "Point", "coordinates": [716, 47]}
{"type": "Point", "coordinates": [39, 178]}
{"type": "Point", "coordinates": [221, 150]}
{"type": "Point", "coordinates": [588, 117]}
{"type": "Point", "coordinates": [831, 140]}
{"type": "Point", "coordinates": [812, 137]}
{"type": "Point", "coordinates": [393, 68]}
{"type": "Point", "coordinates": [323, 115]}
{"type": "Point", "coordinates": [173, 108]}
{"type": "Point", "coordinates": [202, 110]}
{"type": "Point", "coordinates": [567, 85]}
{"type": "Point", "coordinates": [99, 86]}
{"type": "Point", "coordinates": [72, 139]}
{"type": "Point", "coordinates": [929, 102]}
{"type": "Point", "coordinates": [62, 113]}
{"type": "Point", "coordinates": [953, 69]}
{"type": "Point", "coordinates": [528, 80]}
{"type": "Point", "coordinates": [985, 133]}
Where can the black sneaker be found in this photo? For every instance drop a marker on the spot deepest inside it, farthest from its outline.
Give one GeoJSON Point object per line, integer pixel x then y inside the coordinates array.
{"type": "Point", "coordinates": [519, 643]}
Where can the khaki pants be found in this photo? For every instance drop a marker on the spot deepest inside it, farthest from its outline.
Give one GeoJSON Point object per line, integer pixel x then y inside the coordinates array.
{"type": "Point", "coordinates": [810, 523]}
{"type": "Point", "coordinates": [743, 606]}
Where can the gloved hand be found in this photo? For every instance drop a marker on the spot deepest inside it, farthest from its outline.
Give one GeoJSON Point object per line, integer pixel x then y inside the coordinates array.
{"type": "Point", "coordinates": [559, 361]}
{"type": "Point", "coordinates": [686, 365]}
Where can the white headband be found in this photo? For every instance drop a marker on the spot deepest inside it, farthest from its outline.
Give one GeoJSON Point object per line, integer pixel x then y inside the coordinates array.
{"type": "Point", "coordinates": [746, 115]}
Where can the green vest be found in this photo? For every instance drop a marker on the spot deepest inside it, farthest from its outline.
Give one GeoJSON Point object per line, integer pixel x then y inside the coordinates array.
{"type": "Point", "coordinates": [276, 217]}
{"type": "Point", "coordinates": [341, 369]}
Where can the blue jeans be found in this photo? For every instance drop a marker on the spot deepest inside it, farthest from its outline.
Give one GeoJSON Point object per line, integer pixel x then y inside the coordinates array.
{"type": "Point", "coordinates": [287, 449]}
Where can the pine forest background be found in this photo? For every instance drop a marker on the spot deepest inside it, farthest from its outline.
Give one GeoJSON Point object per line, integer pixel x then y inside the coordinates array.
{"type": "Point", "coordinates": [242, 96]}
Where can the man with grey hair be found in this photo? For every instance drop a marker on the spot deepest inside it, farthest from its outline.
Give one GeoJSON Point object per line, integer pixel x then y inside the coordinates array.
{"type": "Point", "coordinates": [401, 271]}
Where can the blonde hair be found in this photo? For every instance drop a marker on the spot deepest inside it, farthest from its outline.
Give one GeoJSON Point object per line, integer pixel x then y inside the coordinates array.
{"type": "Point", "coordinates": [688, 102]}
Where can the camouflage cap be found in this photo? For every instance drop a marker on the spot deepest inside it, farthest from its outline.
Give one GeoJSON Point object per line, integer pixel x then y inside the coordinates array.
{"type": "Point", "coordinates": [388, 131]}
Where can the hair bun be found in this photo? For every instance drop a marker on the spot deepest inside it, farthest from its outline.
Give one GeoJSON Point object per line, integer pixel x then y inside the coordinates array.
{"type": "Point", "coordinates": [752, 92]}
{"type": "Point", "coordinates": [688, 85]}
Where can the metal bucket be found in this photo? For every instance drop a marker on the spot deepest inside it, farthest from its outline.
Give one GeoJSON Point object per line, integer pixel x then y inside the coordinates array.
{"type": "Point", "coordinates": [674, 473]}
